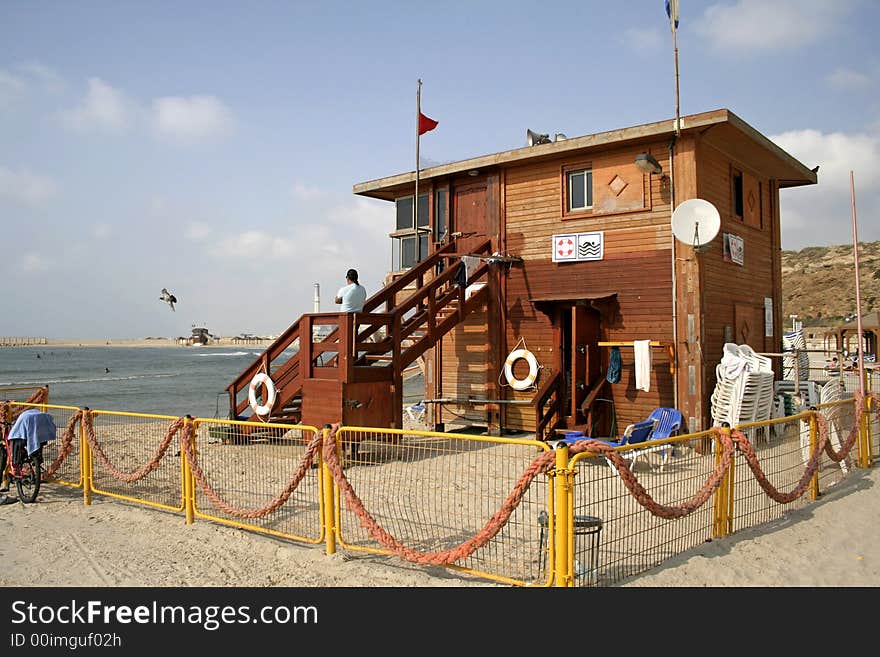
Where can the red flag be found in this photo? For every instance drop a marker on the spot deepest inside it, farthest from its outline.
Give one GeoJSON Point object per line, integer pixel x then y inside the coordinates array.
{"type": "Point", "coordinates": [426, 124]}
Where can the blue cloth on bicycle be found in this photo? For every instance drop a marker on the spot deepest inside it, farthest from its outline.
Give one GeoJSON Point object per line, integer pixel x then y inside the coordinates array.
{"type": "Point", "coordinates": [613, 375]}
{"type": "Point", "coordinates": [35, 428]}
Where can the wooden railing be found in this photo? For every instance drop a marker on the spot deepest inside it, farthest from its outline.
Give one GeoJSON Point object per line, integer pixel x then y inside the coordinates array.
{"type": "Point", "coordinates": [416, 315]}
{"type": "Point", "coordinates": [548, 406]}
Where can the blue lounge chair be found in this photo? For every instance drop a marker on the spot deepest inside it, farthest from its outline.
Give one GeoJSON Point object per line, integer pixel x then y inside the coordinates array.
{"type": "Point", "coordinates": [667, 422]}
{"type": "Point", "coordinates": [634, 434]}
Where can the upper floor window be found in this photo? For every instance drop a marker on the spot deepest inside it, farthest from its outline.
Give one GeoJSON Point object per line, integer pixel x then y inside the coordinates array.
{"type": "Point", "coordinates": [405, 251]}
{"type": "Point", "coordinates": [579, 189]}
{"type": "Point", "coordinates": [405, 211]}
{"type": "Point", "coordinates": [737, 178]}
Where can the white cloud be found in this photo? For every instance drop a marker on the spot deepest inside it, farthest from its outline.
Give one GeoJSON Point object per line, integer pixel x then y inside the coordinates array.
{"type": "Point", "coordinates": [45, 76]}
{"type": "Point", "coordinates": [253, 245]}
{"type": "Point", "coordinates": [32, 263]}
{"type": "Point", "coordinates": [373, 215]}
{"type": "Point", "coordinates": [642, 38]}
{"type": "Point", "coordinates": [103, 108]}
{"type": "Point", "coordinates": [836, 154]}
{"type": "Point", "coordinates": [198, 231]}
{"type": "Point", "coordinates": [25, 188]}
{"type": "Point", "coordinates": [844, 78]}
{"type": "Point", "coordinates": [101, 231]}
{"type": "Point", "coordinates": [11, 88]}
{"type": "Point", "coordinates": [193, 118]}
{"type": "Point", "coordinates": [757, 25]}
{"type": "Point", "coordinates": [306, 192]}
{"type": "Point", "coordinates": [822, 214]}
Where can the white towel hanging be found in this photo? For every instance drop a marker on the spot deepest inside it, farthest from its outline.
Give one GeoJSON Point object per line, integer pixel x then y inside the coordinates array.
{"type": "Point", "coordinates": [642, 349]}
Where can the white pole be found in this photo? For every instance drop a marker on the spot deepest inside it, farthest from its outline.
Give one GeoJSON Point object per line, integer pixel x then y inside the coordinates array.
{"type": "Point", "coordinates": [672, 18]}
{"type": "Point", "coordinates": [317, 299]}
{"type": "Point", "coordinates": [416, 194]}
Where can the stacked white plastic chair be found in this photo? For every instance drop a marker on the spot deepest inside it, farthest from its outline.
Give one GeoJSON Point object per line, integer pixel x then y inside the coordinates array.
{"type": "Point", "coordinates": [790, 342]}
{"type": "Point", "coordinates": [744, 388]}
{"type": "Point", "coordinates": [832, 391]}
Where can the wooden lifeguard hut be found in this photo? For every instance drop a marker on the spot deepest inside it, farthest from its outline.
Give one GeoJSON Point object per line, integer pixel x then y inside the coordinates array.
{"type": "Point", "coordinates": [536, 265]}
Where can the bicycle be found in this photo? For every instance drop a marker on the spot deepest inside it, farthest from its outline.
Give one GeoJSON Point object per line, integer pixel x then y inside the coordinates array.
{"type": "Point", "coordinates": [26, 470]}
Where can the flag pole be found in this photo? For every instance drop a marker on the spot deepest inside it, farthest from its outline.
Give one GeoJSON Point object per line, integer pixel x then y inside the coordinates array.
{"type": "Point", "coordinates": [416, 194]}
{"type": "Point", "coordinates": [673, 17]}
{"type": "Point", "coordinates": [673, 21]}
{"type": "Point", "coordinates": [852, 193]}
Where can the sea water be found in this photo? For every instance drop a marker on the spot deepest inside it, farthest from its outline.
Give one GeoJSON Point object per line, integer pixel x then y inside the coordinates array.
{"type": "Point", "coordinates": [172, 381]}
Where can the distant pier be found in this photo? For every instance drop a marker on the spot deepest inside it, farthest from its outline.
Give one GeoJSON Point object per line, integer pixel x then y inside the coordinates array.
{"type": "Point", "coordinates": [21, 341]}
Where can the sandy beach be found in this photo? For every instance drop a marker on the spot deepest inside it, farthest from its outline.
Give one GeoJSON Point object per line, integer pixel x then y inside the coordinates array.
{"type": "Point", "coordinates": [833, 542]}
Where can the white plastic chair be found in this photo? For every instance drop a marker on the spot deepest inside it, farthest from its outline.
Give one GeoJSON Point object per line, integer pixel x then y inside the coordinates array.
{"type": "Point", "coordinates": [416, 412]}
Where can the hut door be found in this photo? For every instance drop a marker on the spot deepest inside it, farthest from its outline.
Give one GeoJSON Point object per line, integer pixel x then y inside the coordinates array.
{"type": "Point", "coordinates": [580, 355]}
{"type": "Point", "coordinates": [469, 215]}
{"type": "Point", "coordinates": [749, 321]}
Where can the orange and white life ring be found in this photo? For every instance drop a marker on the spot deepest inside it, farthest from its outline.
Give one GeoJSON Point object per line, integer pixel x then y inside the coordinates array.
{"type": "Point", "coordinates": [266, 408]}
{"type": "Point", "coordinates": [531, 377]}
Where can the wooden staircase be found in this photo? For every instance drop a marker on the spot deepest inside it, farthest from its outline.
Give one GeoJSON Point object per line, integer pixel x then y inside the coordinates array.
{"type": "Point", "coordinates": [348, 367]}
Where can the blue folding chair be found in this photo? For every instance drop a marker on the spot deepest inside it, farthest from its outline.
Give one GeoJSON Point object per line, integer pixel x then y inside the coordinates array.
{"type": "Point", "coordinates": [667, 422]}
{"type": "Point", "coordinates": [634, 434]}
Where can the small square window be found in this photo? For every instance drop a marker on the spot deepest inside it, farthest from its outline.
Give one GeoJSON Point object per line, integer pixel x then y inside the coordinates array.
{"type": "Point", "coordinates": [579, 186]}
{"type": "Point", "coordinates": [738, 194]}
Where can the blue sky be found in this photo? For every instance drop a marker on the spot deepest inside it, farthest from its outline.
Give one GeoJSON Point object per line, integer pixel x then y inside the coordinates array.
{"type": "Point", "coordinates": [211, 147]}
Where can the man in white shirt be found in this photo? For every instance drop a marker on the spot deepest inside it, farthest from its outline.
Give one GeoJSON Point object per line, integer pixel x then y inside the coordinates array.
{"type": "Point", "coordinates": [352, 295]}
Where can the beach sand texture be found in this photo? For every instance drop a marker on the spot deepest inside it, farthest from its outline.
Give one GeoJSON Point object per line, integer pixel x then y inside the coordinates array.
{"type": "Point", "coordinates": [830, 542]}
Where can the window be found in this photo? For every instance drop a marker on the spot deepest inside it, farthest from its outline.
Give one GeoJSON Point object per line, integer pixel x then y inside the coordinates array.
{"type": "Point", "coordinates": [440, 214]}
{"type": "Point", "coordinates": [737, 193]}
{"type": "Point", "coordinates": [579, 190]}
{"type": "Point", "coordinates": [403, 254]}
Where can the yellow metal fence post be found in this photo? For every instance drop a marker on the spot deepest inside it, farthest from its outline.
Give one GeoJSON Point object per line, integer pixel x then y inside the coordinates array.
{"type": "Point", "coordinates": [187, 478]}
{"type": "Point", "coordinates": [869, 447]}
{"type": "Point", "coordinates": [328, 490]}
{"type": "Point", "coordinates": [85, 460]}
{"type": "Point", "coordinates": [562, 560]}
{"type": "Point", "coordinates": [814, 439]}
{"type": "Point", "coordinates": [722, 503]}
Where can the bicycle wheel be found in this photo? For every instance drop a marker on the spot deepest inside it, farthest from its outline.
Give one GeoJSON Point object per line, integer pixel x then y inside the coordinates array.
{"type": "Point", "coordinates": [28, 483]}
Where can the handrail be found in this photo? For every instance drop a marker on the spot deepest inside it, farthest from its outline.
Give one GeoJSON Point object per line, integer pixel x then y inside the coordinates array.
{"type": "Point", "coordinates": [428, 301]}
{"type": "Point", "coordinates": [546, 420]}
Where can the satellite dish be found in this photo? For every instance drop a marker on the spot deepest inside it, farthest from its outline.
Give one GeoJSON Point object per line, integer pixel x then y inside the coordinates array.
{"type": "Point", "coordinates": [695, 222]}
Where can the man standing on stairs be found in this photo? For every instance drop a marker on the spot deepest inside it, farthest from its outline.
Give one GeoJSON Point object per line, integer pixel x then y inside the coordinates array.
{"type": "Point", "coordinates": [352, 295]}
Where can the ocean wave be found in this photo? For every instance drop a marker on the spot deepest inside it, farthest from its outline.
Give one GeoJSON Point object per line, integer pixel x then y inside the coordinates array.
{"type": "Point", "coordinates": [231, 353]}
{"type": "Point", "coordinates": [93, 380]}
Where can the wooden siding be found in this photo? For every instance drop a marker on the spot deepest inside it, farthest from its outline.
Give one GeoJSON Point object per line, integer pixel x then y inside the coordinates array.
{"type": "Point", "coordinates": [636, 266]}
{"type": "Point", "coordinates": [734, 294]}
{"type": "Point", "coordinates": [464, 371]}
{"type": "Point", "coordinates": [639, 251]}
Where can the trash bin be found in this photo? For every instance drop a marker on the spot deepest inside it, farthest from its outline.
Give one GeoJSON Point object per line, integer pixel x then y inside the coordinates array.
{"type": "Point", "coordinates": [587, 534]}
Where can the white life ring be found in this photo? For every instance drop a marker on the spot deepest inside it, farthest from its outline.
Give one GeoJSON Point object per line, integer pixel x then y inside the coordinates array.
{"type": "Point", "coordinates": [265, 409]}
{"type": "Point", "coordinates": [529, 380]}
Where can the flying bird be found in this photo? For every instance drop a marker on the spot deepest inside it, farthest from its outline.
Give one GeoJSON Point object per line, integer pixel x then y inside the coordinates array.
{"type": "Point", "coordinates": [168, 298]}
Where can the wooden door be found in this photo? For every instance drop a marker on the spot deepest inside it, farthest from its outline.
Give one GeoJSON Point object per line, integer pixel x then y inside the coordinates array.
{"type": "Point", "coordinates": [579, 355]}
{"type": "Point", "coordinates": [749, 326]}
{"type": "Point", "coordinates": [469, 215]}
